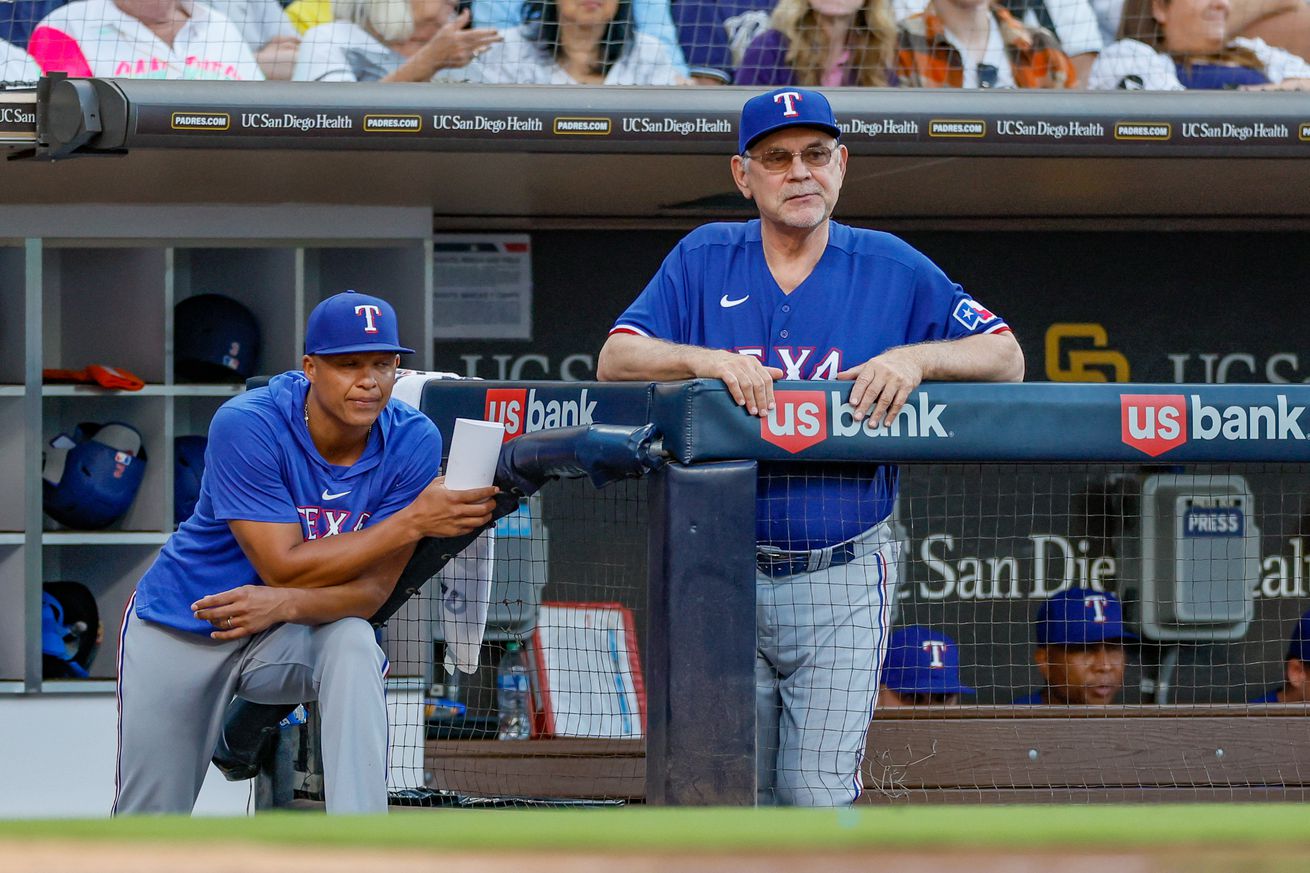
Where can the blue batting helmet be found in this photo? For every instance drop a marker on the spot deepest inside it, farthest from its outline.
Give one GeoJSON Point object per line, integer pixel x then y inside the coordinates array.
{"type": "Point", "coordinates": [90, 479]}
{"type": "Point", "coordinates": [188, 468]}
{"type": "Point", "coordinates": [71, 630]}
{"type": "Point", "coordinates": [216, 339]}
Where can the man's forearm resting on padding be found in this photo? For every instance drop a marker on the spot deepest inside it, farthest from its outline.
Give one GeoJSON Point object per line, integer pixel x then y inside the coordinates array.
{"type": "Point", "coordinates": [985, 357]}
{"type": "Point", "coordinates": [982, 358]}
{"type": "Point", "coordinates": [627, 356]}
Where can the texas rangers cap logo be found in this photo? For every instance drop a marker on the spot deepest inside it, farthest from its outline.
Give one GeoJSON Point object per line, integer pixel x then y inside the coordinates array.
{"type": "Point", "coordinates": [936, 652]}
{"type": "Point", "coordinates": [370, 312]}
{"type": "Point", "coordinates": [789, 99]}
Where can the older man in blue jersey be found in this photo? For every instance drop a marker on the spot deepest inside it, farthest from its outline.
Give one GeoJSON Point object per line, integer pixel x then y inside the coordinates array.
{"type": "Point", "coordinates": [796, 295]}
{"type": "Point", "coordinates": [316, 489]}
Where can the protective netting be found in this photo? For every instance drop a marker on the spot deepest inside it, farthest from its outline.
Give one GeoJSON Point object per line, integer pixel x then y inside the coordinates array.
{"type": "Point", "coordinates": [1070, 631]}
{"type": "Point", "coordinates": [1126, 44]}
{"type": "Point", "coordinates": [1208, 563]}
{"type": "Point", "coordinates": [569, 588]}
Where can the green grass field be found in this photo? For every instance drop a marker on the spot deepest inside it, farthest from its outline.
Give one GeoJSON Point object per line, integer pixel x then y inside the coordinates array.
{"type": "Point", "coordinates": [649, 830]}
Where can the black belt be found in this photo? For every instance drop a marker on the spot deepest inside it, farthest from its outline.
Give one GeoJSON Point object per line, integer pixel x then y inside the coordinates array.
{"type": "Point", "coordinates": [793, 563]}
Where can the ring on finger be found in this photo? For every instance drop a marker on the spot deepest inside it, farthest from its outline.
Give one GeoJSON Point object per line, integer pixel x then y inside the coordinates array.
{"type": "Point", "coordinates": [229, 622]}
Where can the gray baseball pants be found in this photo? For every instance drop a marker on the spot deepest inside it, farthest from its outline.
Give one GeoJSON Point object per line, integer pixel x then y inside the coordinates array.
{"type": "Point", "coordinates": [821, 636]}
{"type": "Point", "coordinates": [174, 687]}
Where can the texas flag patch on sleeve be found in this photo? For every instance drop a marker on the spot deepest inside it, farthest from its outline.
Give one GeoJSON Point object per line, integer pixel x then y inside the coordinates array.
{"type": "Point", "coordinates": [972, 314]}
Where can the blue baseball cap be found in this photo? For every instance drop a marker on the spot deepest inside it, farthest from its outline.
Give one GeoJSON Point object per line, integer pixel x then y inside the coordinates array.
{"type": "Point", "coordinates": [1299, 645]}
{"type": "Point", "coordinates": [1080, 617]}
{"type": "Point", "coordinates": [783, 108]}
{"type": "Point", "coordinates": [353, 322]}
{"type": "Point", "coordinates": [921, 660]}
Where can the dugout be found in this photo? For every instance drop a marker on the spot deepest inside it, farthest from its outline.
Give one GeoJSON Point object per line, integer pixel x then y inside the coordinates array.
{"type": "Point", "coordinates": [1062, 233]}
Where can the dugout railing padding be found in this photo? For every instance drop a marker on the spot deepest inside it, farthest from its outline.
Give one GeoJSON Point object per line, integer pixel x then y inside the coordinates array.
{"type": "Point", "coordinates": [88, 116]}
{"type": "Point", "coordinates": [700, 743]}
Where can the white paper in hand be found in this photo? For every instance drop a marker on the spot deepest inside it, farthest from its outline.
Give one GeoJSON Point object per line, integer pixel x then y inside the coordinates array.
{"type": "Point", "coordinates": [474, 450]}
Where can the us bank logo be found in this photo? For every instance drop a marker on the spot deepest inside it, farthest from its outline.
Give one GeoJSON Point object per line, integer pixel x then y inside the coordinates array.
{"type": "Point", "coordinates": [521, 411]}
{"type": "Point", "coordinates": [799, 419]}
{"type": "Point", "coordinates": [802, 419]}
{"type": "Point", "coordinates": [1080, 352]}
{"type": "Point", "coordinates": [1153, 423]}
{"type": "Point", "coordinates": [1158, 423]}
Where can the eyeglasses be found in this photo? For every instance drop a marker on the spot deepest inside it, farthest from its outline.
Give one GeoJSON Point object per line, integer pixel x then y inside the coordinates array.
{"type": "Point", "coordinates": [779, 160]}
{"type": "Point", "coordinates": [988, 75]}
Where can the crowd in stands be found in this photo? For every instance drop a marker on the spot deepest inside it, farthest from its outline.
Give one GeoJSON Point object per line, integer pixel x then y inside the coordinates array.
{"type": "Point", "coordinates": [1103, 44]}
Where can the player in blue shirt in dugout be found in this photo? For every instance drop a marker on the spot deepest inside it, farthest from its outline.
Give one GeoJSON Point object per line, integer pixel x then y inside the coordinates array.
{"type": "Point", "coordinates": [796, 295]}
{"type": "Point", "coordinates": [1080, 649]}
{"type": "Point", "coordinates": [922, 668]}
{"type": "Point", "coordinates": [315, 491]}
{"type": "Point", "coordinates": [1295, 687]}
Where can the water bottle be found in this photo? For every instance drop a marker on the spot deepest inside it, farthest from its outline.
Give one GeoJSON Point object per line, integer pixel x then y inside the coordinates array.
{"type": "Point", "coordinates": [512, 695]}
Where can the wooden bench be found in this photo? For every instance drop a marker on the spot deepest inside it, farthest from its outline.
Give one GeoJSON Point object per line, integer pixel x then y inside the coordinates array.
{"type": "Point", "coordinates": [976, 754]}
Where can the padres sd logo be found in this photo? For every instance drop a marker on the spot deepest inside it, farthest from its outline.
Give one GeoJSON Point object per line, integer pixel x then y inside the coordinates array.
{"type": "Point", "coordinates": [1066, 362]}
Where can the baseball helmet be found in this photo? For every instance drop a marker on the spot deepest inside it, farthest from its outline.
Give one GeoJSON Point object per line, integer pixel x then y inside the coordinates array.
{"type": "Point", "coordinates": [188, 467]}
{"type": "Point", "coordinates": [216, 339]}
{"type": "Point", "coordinates": [71, 631]}
{"type": "Point", "coordinates": [90, 479]}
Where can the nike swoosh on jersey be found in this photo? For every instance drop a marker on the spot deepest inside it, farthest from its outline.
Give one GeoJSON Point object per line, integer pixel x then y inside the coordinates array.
{"type": "Point", "coordinates": [327, 496]}
{"type": "Point", "coordinates": [728, 304]}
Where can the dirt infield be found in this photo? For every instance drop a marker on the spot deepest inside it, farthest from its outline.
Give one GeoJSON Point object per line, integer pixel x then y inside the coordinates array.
{"type": "Point", "coordinates": [117, 857]}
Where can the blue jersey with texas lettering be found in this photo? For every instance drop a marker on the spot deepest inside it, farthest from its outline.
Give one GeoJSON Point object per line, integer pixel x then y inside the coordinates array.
{"type": "Point", "coordinates": [869, 292]}
{"type": "Point", "coordinates": [261, 465]}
